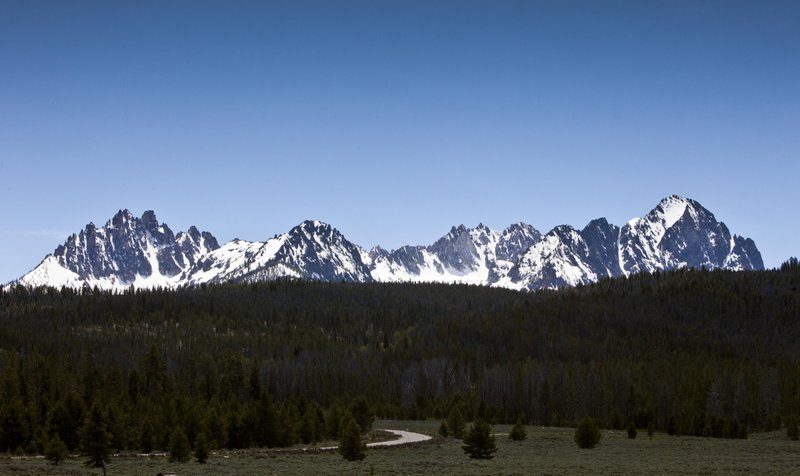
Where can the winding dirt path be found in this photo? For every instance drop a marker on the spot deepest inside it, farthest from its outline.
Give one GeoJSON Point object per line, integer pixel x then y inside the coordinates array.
{"type": "Point", "coordinates": [405, 438]}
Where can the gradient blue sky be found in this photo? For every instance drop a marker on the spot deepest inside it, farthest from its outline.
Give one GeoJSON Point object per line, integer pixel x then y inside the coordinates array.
{"type": "Point", "coordinates": [395, 120]}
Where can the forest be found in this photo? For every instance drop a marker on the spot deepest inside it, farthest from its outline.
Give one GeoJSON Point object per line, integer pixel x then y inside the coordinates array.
{"type": "Point", "coordinates": [688, 352]}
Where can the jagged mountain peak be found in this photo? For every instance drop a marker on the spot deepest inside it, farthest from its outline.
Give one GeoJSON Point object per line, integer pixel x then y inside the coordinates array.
{"type": "Point", "coordinates": [678, 232]}
{"type": "Point", "coordinates": [562, 231]}
{"type": "Point", "coordinates": [120, 218]}
{"type": "Point", "coordinates": [313, 225]}
{"type": "Point", "coordinates": [126, 251]}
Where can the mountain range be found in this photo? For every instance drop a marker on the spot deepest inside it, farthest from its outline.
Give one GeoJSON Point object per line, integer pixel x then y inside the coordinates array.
{"type": "Point", "coordinates": [143, 253]}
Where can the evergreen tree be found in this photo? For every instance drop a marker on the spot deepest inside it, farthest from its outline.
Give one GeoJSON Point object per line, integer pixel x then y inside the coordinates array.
{"type": "Point", "coordinates": [443, 431]}
{"type": "Point", "coordinates": [350, 445]}
{"type": "Point", "coordinates": [266, 420]}
{"type": "Point", "coordinates": [179, 449]}
{"type": "Point", "coordinates": [14, 429]}
{"type": "Point", "coordinates": [518, 432]}
{"type": "Point", "coordinates": [671, 426]}
{"type": "Point", "coordinates": [455, 423]}
{"type": "Point", "coordinates": [66, 419]}
{"type": "Point", "coordinates": [201, 450]}
{"type": "Point", "coordinates": [308, 426]}
{"type": "Point", "coordinates": [333, 420]}
{"type": "Point", "coordinates": [147, 436]}
{"type": "Point", "coordinates": [363, 414]}
{"type": "Point", "coordinates": [587, 435]}
{"type": "Point", "coordinates": [632, 430]}
{"type": "Point", "coordinates": [55, 450]}
{"type": "Point", "coordinates": [95, 438]}
{"type": "Point", "coordinates": [479, 442]}
{"type": "Point", "coordinates": [792, 430]}
{"type": "Point", "coordinates": [255, 382]}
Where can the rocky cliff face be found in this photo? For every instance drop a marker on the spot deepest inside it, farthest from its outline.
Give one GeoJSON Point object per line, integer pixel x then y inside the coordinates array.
{"type": "Point", "coordinates": [127, 251]}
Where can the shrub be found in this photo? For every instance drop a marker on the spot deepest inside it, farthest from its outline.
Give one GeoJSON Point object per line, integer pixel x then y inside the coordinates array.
{"type": "Point", "coordinates": [443, 431]}
{"type": "Point", "coordinates": [518, 432]}
{"type": "Point", "coordinates": [632, 430]}
{"type": "Point", "coordinates": [587, 435]}
{"type": "Point", "coordinates": [455, 423]}
{"type": "Point", "coordinates": [479, 442]}
{"type": "Point", "coordinates": [55, 451]}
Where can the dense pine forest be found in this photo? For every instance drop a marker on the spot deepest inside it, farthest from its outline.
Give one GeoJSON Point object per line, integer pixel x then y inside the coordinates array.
{"type": "Point", "coordinates": [707, 353]}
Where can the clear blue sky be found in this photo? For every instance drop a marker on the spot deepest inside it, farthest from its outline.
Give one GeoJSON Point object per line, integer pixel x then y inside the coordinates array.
{"type": "Point", "coordinates": [395, 120]}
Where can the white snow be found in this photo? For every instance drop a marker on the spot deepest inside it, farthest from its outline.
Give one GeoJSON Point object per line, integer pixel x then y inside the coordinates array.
{"type": "Point", "coordinates": [674, 208]}
{"type": "Point", "coordinates": [50, 273]}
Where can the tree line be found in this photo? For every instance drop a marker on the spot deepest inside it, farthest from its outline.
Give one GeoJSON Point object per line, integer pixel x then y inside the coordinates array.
{"type": "Point", "coordinates": [270, 364]}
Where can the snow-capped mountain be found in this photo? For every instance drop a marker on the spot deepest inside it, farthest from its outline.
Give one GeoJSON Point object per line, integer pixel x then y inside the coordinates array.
{"type": "Point", "coordinates": [140, 252]}
{"type": "Point", "coordinates": [126, 251]}
{"type": "Point", "coordinates": [312, 250]}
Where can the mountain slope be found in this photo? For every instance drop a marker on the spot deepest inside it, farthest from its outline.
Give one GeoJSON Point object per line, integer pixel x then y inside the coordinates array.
{"type": "Point", "coordinates": [140, 252]}
{"type": "Point", "coordinates": [127, 251]}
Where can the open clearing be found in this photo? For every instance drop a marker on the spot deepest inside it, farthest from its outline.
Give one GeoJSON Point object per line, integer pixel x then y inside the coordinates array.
{"type": "Point", "coordinates": [546, 451]}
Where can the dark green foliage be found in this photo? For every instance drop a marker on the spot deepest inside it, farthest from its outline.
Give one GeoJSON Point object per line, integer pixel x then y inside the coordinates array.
{"type": "Point", "coordinates": [95, 438]}
{"type": "Point", "coordinates": [362, 412]}
{"type": "Point", "coordinates": [479, 442]}
{"type": "Point", "coordinates": [632, 430]}
{"type": "Point", "coordinates": [443, 431]}
{"type": "Point", "coordinates": [14, 431]}
{"type": "Point", "coordinates": [179, 449]}
{"type": "Point", "coordinates": [255, 382]}
{"type": "Point", "coordinates": [147, 436]}
{"type": "Point", "coordinates": [55, 451]}
{"type": "Point", "coordinates": [792, 265]}
{"type": "Point", "coordinates": [67, 418]}
{"type": "Point", "coordinates": [351, 447]}
{"type": "Point", "coordinates": [518, 432]}
{"type": "Point", "coordinates": [201, 449]}
{"type": "Point", "coordinates": [587, 435]}
{"type": "Point", "coordinates": [792, 430]}
{"type": "Point", "coordinates": [690, 352]}
{"type": "Point", "coordinates": [455, 423]}
{"type": "Point", "coordinates": [333, 420]}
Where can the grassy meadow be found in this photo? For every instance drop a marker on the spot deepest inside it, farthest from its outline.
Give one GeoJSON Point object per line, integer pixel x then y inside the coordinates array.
{"type": "Point", "coordinates": [546, 451]}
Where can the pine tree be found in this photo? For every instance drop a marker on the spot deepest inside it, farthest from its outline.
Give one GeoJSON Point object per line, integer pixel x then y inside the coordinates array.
{"type": "Point", "coordinates": [587, 435]}
{"type": "Point", "coordinates": [350, 445]}
{"type": "Point", "coordinates": [443, 431]}
{"type": "Point", "coordinates": [792, 430]}
{"type": "Point", "coordinates": [455, 423]}
{"type": "Point", "coordinates": [518, 432]}
{"type": "Point", "coordinates": [255, 382]}
{"type": "Point", "coordinates": [179, 449]}
{"type": "Point", "coordinates": [95, 439]}
{"type": "Point", "coordinates": [362, 413]}
{"type": "Point", "coordinates": [479, 442]}
{"type": "Point", "coordinates": [201, 448]}
{"type": "Point", "coordinates": [13, 426]}
{"type": "Point", "coordinates": [55, 450]}
{"type": "Point", "coordinates": [632, 430]}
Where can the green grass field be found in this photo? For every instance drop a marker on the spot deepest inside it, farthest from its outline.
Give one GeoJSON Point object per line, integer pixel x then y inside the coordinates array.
{"type": "Point", "coordinates": [546, 451]}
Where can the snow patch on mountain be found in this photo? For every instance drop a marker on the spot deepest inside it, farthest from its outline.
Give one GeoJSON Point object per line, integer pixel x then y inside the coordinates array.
{"type": "Point", "coordinates": [141, 252]}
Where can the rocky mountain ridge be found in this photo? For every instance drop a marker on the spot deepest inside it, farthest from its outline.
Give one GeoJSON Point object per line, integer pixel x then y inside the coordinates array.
{"type": "Point", "coordinates": [140, 252]}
